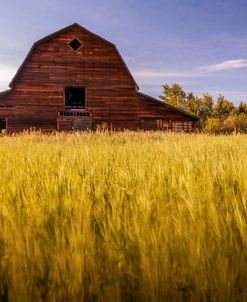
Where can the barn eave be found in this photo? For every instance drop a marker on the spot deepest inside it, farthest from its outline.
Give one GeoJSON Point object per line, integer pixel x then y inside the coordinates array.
{"type": "Point", "coordinates": [190, 115]}
{"type": "Point", "coordinates": [3, 95]}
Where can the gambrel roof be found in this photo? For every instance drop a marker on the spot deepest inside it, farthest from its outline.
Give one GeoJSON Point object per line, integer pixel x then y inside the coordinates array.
{"type": "Point", "coordinates": [63, 30]}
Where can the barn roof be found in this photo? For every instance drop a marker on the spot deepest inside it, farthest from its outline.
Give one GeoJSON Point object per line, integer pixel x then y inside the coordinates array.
{"type": "Point", "coordinates": [63, 30]}
{"type": "Point", "coordinates": [169, 106]}
{"type": "Point", "coordinates": [5, 92]}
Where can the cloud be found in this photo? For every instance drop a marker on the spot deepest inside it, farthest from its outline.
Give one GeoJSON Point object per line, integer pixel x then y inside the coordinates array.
{"type": "Point", "coordinates": [226, 65]}
{"type": "Point", "coordinates": [151, 81]}
{"type": "Point", "coordinates": [7, 72]}
{"type": "Point", "coordinates": [160, 74]}
{"type": "Point", "coordinates": [194, 73]}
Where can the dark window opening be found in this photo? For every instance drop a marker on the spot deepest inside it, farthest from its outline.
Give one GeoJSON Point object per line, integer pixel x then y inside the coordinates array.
{"type": "Point", "coordinates": [75, 44]}
{"type": "Point", "coordinates": [149, 124]}
{"type": "Point", "coordinates": [2, 125]}
{"type": "Point", "coordinates": [75, 98]}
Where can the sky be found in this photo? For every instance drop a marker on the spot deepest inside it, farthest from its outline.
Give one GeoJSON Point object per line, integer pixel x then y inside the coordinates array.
{"type": "Point", "coordinates": [199, 44]}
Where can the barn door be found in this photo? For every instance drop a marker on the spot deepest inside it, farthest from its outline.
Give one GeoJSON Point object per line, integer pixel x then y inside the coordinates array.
{"type": "Point", "coordinates": [74, 120]}
{"type": "Point", "coordinates": [3, 124]}
{"type": "Point", "coordinates": [83, 123]}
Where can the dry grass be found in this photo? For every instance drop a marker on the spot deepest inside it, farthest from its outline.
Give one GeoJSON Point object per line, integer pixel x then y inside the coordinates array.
{"type": "Point", "coordinates": [123, 217]}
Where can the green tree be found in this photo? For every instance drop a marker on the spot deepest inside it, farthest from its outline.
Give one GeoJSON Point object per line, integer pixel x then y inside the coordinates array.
{"type": "Point", "coordinates": [213, 125]}
{"type": "Point", "coordinates": [193, 104]}
{"type": "Point", "coordinates": [242, 122]}
{"type": "Point", "coordinates": [174, 95]}
{"type": "Point", "coordinates": [207, 106]}
{"type": "Point", "coordinates": [242, 108]}
{"type": "Point", "coordinates": [223, 108]}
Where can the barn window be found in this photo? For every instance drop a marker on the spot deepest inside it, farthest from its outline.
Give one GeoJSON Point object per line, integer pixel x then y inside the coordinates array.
{"type": "Point", "coordinates": [164, 124]}
{"type": "Point", "coordinates": [149, 124]}
{"type": "Point", "coordinates": [75, 44]}
{"type": "Point", "coordinates": [188, 126]}
{"type": "Point", "coordinates": [75, 98]}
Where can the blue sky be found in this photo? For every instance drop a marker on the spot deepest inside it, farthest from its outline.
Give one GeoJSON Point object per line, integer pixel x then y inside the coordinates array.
{"type": "Point", "coordinates": [200, 44]}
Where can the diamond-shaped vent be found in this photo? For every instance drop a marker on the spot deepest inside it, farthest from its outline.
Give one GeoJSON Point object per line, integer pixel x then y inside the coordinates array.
{"type": "Point", "coordinates": [75, 44]}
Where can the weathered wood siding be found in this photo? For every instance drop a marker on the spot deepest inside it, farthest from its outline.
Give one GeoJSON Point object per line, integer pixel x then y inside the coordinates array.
{"type": "Point", "coordinates": [36, 98]}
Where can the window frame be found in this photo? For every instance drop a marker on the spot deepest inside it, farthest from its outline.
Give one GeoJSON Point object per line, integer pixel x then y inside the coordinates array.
{"type": "Point", "coordinates": [64, 98]}
{"type": "Point", "coordinates": [71, 48]}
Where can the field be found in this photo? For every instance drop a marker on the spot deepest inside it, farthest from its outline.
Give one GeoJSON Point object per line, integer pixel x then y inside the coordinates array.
{"type": "Point", "coordinates": [123, 217]}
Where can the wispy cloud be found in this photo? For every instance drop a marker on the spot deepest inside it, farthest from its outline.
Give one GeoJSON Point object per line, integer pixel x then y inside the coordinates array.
{"type": "Point", "coordinates": [226, 65]}
{"type": "Point", "coordinates": [194, 73]}
{"type": "Point", "coordinates": [160, 74]}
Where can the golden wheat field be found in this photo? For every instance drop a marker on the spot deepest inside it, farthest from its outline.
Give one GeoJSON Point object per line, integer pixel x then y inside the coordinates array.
{"type": "Point", "coordinates": [123, 217]}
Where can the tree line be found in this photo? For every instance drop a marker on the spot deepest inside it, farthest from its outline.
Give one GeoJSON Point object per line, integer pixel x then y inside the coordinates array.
{"type": "Point", "coordinates": [214, 117]}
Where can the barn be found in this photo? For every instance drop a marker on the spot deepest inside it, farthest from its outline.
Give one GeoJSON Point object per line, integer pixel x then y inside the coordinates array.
{"type": "Point", "coordinates": [74, 79]}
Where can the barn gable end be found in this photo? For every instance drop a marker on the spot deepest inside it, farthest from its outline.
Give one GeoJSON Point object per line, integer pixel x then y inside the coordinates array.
{"type": "Point", "coordinates": [75, 80]}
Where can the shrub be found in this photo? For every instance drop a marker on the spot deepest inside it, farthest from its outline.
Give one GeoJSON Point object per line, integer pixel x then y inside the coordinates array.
{"type": "Point", "coordinates": [231, 124]}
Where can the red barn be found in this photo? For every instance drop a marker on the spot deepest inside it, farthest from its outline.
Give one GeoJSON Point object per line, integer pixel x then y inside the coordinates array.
{"type": "Point", "coordinates": [76, 80]}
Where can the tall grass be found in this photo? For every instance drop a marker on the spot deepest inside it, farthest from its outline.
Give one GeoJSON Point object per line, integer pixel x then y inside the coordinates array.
{"type": "Point", "coordinates": [123, 217]}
